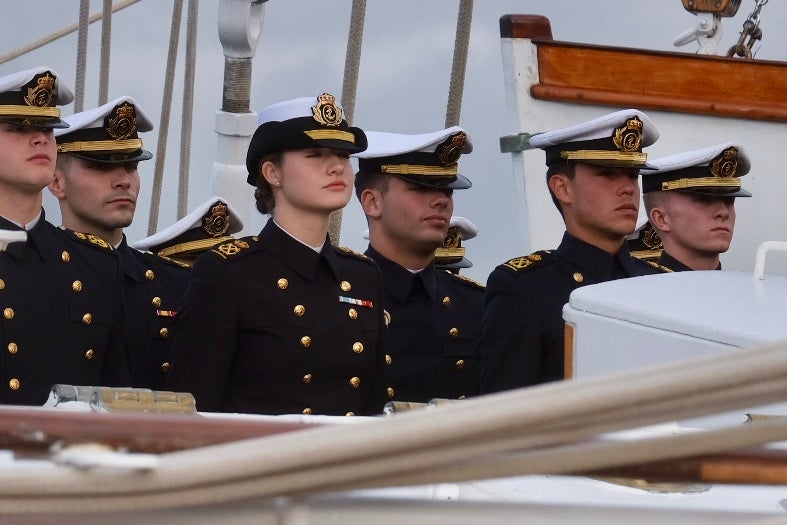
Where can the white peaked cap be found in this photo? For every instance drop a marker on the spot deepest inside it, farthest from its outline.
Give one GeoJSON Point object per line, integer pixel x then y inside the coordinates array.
{"type": "Point", "coordinates": [16, 81]}
{"type": "Point", "coordinates": [94, 118]}
{"type": "Point", "coordinates": [192, 220]}
{"type": "Point", "coordinates": [599, 128]}
{"type": "Point", "coordinates": [382, 144]}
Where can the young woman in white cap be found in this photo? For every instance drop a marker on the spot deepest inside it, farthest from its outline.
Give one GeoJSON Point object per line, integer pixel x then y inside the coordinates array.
{"type": "Point", "coordinates": [284, 322]}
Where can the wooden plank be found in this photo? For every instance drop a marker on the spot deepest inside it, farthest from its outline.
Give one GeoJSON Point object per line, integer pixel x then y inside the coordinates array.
{"type": "Point", "coordinates": [667, 81]}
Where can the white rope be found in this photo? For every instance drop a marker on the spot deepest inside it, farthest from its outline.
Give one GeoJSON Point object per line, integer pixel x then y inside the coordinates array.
{"type": "Point", "coordinates": [60, 33]}
{"type": "Point", "coordinates": [462, 43]}
{"type": "Point", "coordinates": [188, 107]}
{"type": "Point", "coordinates": [528, 421]}
{"type": "Point", "coordinates": [79, 85]}
{"type": "Point", "coordinates": [166, 108]}
{"type": "Point", "coordinates": [352, 63]}
{"type": "Point", "coordinates": [106, 48]}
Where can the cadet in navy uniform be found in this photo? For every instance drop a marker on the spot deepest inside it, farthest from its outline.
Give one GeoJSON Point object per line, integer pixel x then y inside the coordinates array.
{"type": "Point", "coordinates": [211, 223]}
{"type": "Point", "coordinates": [58, 297]}
{"type": "Point", "coordinates": [451, 254]}
{"type": "Point", "coordinates": [690, 200]}
{"type": "Point", "coordinates": [284, 322]}
{"type": "Point", "coordinates": [592, 176]}
{"type": "Point", "coordinates": [405, 184]}
{"type": "Point", "coordinates": [97, 184]}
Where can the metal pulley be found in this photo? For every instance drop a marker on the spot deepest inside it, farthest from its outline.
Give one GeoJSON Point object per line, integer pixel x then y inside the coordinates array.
{"type": "Point", "coordinates": [724, 8]}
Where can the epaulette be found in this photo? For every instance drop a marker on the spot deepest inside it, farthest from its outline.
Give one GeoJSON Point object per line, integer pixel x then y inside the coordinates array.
{"type": "Point", "coordinates": [517, 265]}
{"type": "Point", "coordinates": [658, 266]}
{"type": "Point", "coordinates": [232, 249]}
{"type": "Point", "coordinates": [344, 250]}
{"type": "Point", "coordinates": [89, 239]}
{"type": "Point", "coordinates": [466, 280]}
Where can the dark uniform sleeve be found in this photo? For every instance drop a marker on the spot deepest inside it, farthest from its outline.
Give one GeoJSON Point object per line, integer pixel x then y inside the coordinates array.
{"type": "Point", "coordinates": [510, 346]}
{"type": "Point", "coordinates": [206, 334]}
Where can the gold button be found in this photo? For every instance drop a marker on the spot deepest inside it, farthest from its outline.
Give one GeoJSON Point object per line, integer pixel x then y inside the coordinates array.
{"type": "Point", "coordinates": [76, 286]}
{"type": "Point", "coordinates": [307, 411]}
{"type": "Point", "coordinates": [164, 332]}
{"type": "Point", "coordinates": [353, 313]}
{"type": "Point", "coordinates": [8, 313]}
{"type": "Point", "coordinates": [87, 318]}
{"type": "Point", "coordinates": [150, 275]}
{"type": "Point", "coordinates": [348, 414]}
{"type": "Point", "coordinates": [299, 310]}
{"type": "Point", "coordinates": [2, 284]}
{"type": "Point", "coordinates": [446, 301]}
{"type": "Point", "coordinates": [65, 256]}
{"type": "Point", "coordinates": [14, 384]}
{"type": "Point", "coordinates": [357, 347]}
{"type": "Point", "coordinates": [355, 382]}
{"type": "Point", "coordinates": [460, 364]}
{"type": "Point", "coordinates": [156, 302]}
{"type": "Point", "coordinates": [307, 378]}
{"type": "Point", "coordinates": [282, 283]}
{"type": "Point", "coordinates": [453, 332]}
{"type": "Point", "coordinates": [387, 359]}
{"type": "Point", "coordinates": [12, 348]}
{"type": "Point", "coordinates": [89, 354]}
{"type": "Point", "coordinates": [345, 286]}
{"type": "Point", "coordinates": [165, 367]}
{"type": "Point", "coordinates": [306, 341]}
{"type": "Point", "coordinates": [390, 392]}
{"type": "Point", "coordinates": [578, 277]}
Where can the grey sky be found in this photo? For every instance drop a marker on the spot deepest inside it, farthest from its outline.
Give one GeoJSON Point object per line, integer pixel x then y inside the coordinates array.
{"type": "Point", "coordinates": [403, 84]}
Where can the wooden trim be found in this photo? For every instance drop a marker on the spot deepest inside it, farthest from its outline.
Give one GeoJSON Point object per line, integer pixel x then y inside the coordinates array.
{"type": "Point", "coordinates": [568, 351]}
{"type": "Point", "coordinates": [525, 26]}
{"type": "Point", "coordinates": [666, 81]}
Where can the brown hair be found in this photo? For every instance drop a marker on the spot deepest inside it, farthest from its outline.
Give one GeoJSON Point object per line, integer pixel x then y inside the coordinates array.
{"type": "Point", "coordinates": [264, 193]}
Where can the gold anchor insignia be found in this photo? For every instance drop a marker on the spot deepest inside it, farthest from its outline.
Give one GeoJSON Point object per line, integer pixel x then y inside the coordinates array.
{"type": "Point", "coordinates": [43, 93]}
{"type": "Point", "coordinates": [326, 112]}
{"type": "Point", "coordinates": [726, 164]}
{"type": "Point", "coordinates": [450, 150]}
{"type": "Point", "coordinates": [98, 241]}
{"type": "Point", "coordinates": [218, 222]}
{"type": "Point", "coordinates": [629, 136]}
{"type": "Point", "coordinates": [228, 249]}
{"type": "Point", "coordinates": [124, 124]}
{"type": "Point", "coordinates": [519, 263]}
{"type": "Point", "coordinates": [650, 238]}
{"type": "Point", "coordinates": [452, 239]}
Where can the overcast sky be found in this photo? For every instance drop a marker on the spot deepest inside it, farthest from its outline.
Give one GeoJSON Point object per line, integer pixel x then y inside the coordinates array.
{"type": "Point", "coordinates": [403, 80]}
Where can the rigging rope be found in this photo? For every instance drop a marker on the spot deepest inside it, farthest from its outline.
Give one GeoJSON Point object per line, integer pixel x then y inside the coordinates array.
{"type": "Point", "coordinates": [106, 44]}
{"type": "Point", "coordinates": [456, 88]}
{"type": "Point", "coordinates": [166, 107]}
{"type": "Point", "coordinates": [59, 33]}
{"type": "Point", "coordinates": [188, 107]}
{"type": "Point", "coordinates": [79, 86]}
{"type": "Point", "coordinates": [352, 63]}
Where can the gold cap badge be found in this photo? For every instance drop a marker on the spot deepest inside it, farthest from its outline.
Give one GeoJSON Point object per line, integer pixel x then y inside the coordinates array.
{"type": "Point", "coordinates": [450, 150]}
{"type": "Point", "coordinates": [124, 123]}
{"type": "Point", "coordinates": [629, 136]}
{"type": "Point", "coordinates": [218, 222]}
{"type": "Point", "coordinates": [726, 164]}
{"type": "Point", "coordinates": [42, 93]}
{"type": "Point", "coordinates": [326, 112]}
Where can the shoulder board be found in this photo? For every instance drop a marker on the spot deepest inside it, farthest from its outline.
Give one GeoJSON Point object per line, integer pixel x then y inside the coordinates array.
{"type": "Point", "coordinates": [89, 239]}
{"type": "Point", "coordinates": [344, 250]}
{"type": "Point", "coordinates": [518, 265]}
{"type": "Point", "coordinates": [233, 249]}
{"type": "Point", "coordinates": [658, 266]}
{"type": "Point", "coordinates": [167, 260]}
{"type": "Point", "coordinates": [466, 280]}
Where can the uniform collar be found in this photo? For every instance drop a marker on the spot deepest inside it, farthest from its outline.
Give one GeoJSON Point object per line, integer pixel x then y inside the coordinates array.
{"type": "Point", "coordinates": [673, 264]}
{"type": "Point", "coordinates": [302, 259]}
{"type": "Point", "coordinates": [130, 265]}
{"type": "Point", "coordinates": [595, 261]}
{"type": "Point", "coordinates": [398, 280]}
{"type": "Point", "coordinates": [17, 249]}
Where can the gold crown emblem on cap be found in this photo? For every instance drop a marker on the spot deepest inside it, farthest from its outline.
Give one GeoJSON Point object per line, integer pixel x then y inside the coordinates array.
{"type": "Point", "coordinates": [217, 223]}
{"type": "Point", "coordinates": [124, 124]}
{"type": "Point", "coordinates": [725, 164]}
{"type": "Point", "coordinates": [449, 151]}
{"type": "Point", "coordinates": [42, 94]}
{"type": "Point", "coordinates": [628, 137]}
{"type": "Point", "coordinates": [326, 112]}
{"type": "Point", "coordinates": [452, 239]}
